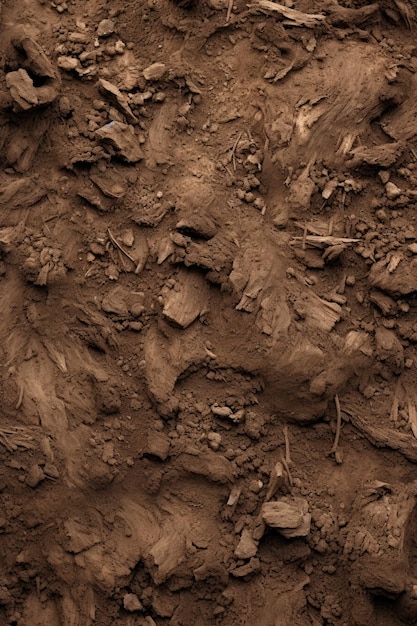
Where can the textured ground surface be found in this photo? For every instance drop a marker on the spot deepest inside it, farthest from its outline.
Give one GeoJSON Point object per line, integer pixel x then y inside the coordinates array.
{"type": "Point", "coordinates": [208, 278]}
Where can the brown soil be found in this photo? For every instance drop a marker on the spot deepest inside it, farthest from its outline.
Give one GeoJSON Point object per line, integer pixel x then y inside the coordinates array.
{"type": "Point", "coordinates": [208, 266]}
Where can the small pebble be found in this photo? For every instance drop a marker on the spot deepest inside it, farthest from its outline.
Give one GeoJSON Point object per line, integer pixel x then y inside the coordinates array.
{"type": "Point", "coordinates": [105, 28]}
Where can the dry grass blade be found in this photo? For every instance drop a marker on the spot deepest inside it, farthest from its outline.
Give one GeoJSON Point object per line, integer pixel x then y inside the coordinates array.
{"type": "Point", "coordinates": [412, 416]}
{"type": "Point", "coordinates": [119, 247]}
{"type": "Point", "coordinates": [287, 446]}
{"type": "Point", "coordinates": [316, 240]}
{"type": "Point", "coordinates": [229, 11]}
{"type": "Point", "coordinates": [298, 17]}
{"type": "Point", "coordinates": [338, 425]}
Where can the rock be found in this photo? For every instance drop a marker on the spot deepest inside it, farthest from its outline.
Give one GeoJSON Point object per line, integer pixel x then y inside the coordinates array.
{"type": "Point", "coordinates": [35, 83]}
{"type": "Point", "coordinates": [290, 517]}
{"type": "Point", "coordinates": [188, 299]}
{"type": "Point", "coordinates": [22, 90]}
{"type": "Point", "coordinates": [400, 281]}
{"type": "Point", "coordinates": [412, 248]}
{"type": "Point", "coordinates": [221, 411]}
{"type": "Point", "coordinates": [123, 139]}
{"type": "Point", "coordinates": [105, 28]}
{"type": "Point", "coordinates": [387, 305]}
{"type": "Point", "coordinates": [310, 258]}
{"type": "Point", "coordinates": [117, 99]}
{"type": "Point", "coordinates": [382, 578]}
{"type": "Point", "coordinates": [384, 176]}
{"type": "Point", "coordinates": [247, 547]}
{"type": "Point", "coordinates": [301, 191]}
{"type": "Point", "coordinates": [154, 71]}
{"type": "Point", "coordinates": [213, 466]}
{"type": "Point", "coordinates": [158, 445]}
{"type": "Point", "coordinates": [197, 225]}
{"type": "Point", "coordinates": [384, 155]}
{"type": "Point", "coordinates": [20, 193]}
{"type": "Point", "coordinates": [110, 182]}
{"type": "Point", "coordinates": [389, 349]}
{"type": "Point", "coordinates": [252, 567]}
{"type": "Point", "coordinates": [69, 64]}
{"type": "Point", "coordinates": [214, 440]}
{"type": "Point", "coordinates": [132, 603]}
{"type": "Point", "coordinates": [121, 301]}
{"type": "Point", "coordinates": [392, 191]}
{"type": "Point", "coordinates": [35, 475]}
{"type": "Point", "coordinates": [89, 192]}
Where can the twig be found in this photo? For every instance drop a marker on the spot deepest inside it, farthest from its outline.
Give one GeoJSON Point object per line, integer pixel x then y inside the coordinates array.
{"type": "Point", "coordinates": [412, 416]}
{"type": "Point", "coordinates": [119, 247]}
{"type": "Point", "coordinates": [235, 145]}
{"type": "Point", "coordinates": [331, 222]}
{"type": "Point", "coordinates": [229, 11]}
{"type": "Point", "coordinates": [338, 425]}
{"type": "Point", "coordinates": [287, 469]}
{"type": "Point", "coordinates": [303, 19]}
{"type": "Point", "coordinates": [7, 444]}
{"type": "Point", "coordinates": [330, 240]}
{"type": "Point", "coordinates": [303, 243]}
{"type": "Point", "coordinates": [287, 446]}
{"type": "Point", "coordinates": [20, 398]}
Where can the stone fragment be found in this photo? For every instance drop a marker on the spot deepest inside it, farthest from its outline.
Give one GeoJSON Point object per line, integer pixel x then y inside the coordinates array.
{"type": "Point", "coordinates": [386, 304]}
{"type": "Point", "coordinates": [36, 83]}
{"type": "Point", "coordinates": [22, 90]}
{"type": "Point", "coordinates": [123, 139]}
{"type": "Point", "coordinates": [384, 176]}
{"type": "Point", "coordinates": [252, 567]}
{"type": "Point", "coordinates": [154, 71]}
{"type": "Point", "coordinates": [110, 182]}
{"type": "Point", "coordinates": [212, 465]}
{"type": "Point", "coordinates": [20, 193]}
{"type": "Point", "coordinates": [197, 225]}
{"type": "Point", "coordinates": [69, 64]}
{"type": "Point", "coordinates": [392, 191]}
{"type": "Point", "coordinates": [117, 99]}
{"type": "Point", "coordinates": [290, 517]}
{"type": "Point", "coordinates": [383, 155]}
{"type": "Point", "coordinates": [214, 440]}
{"type": "Point", "coordinates": [158, 445]}
{"type": "Point", "coordinates": [400, 281]}
{"type": "Point", "coordinates": [121, 301]}
{"type": "Point", "coordinates": [247, 547]}
{"type": "Point", "coordinates": [221, 411]}
{"type": "Point", "coordinates": [105, 28]}
{"type": "Point", "coordinates": [412, 248]}
{"type": "Point", "coordinates": [35, 475]}
{"type": "Point", "coordinates": [132, 603]}
{"type": "Point", "coordinates": [188, 299]}
{"type": "Point", "coordinates": [390, 349]}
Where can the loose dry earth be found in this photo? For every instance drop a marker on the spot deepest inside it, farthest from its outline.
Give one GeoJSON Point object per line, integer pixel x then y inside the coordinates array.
{"type": "Point", "coordinates": [209, 317]}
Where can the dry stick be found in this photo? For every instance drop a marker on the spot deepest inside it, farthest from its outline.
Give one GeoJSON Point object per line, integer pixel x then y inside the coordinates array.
{"type": "Point", "coordinates": [287, 469]}
{"type": "Point", "coordinates": [287, 446]}
{"type": "Point", "coordinates": [331, 222]}
{"type": "Point", "coordinates": [20, 398]}
{"type": "Point", "coordinates": [303, 244]}
{"type": "Point", "coordinates": [229, 11]}
{"type": "Point", "coordinates": [119, 247]}
{"type": "Point", "coordinates": [338, 424]}
{"type": "Point", "coordinates": [234, 149]}
{"type": "Point", "coordinates": [7, 444]}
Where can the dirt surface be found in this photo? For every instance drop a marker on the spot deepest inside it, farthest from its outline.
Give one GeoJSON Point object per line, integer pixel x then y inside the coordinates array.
{"type": "Point", "coordinates": [208, 266]}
